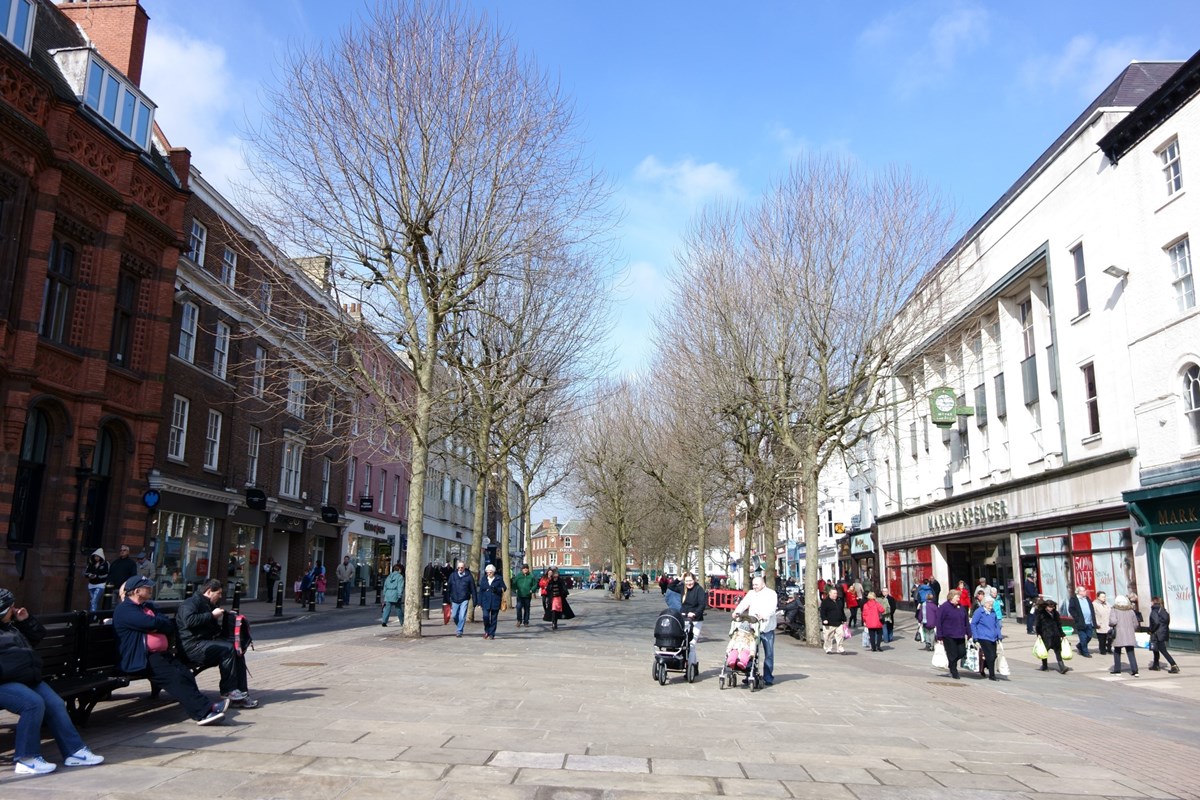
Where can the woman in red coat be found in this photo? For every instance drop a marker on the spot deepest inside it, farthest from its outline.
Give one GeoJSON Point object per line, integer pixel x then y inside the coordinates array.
{"type": "Point", "coordinates": [872, 614]}
{"type": "Point", "coordinates": [964, 594]}
{"type": "Point", "coordinates": [852, 606]}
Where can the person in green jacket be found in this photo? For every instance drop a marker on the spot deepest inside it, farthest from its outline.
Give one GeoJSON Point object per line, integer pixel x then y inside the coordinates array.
{"type": "Point", "coordinates": [524, 585]}
{"type": "Point", "coordinates": [393, 594]}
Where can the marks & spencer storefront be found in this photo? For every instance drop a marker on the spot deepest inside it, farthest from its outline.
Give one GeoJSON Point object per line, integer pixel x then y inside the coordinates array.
{"type": "Point", "coordinates": [1169, 521]}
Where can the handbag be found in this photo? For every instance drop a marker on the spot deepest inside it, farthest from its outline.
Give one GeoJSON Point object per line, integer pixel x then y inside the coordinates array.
{"type": "Point", "coordinates": [845, 631]}
{"type": "Point", "coordinates": [1065, 650]}
{"type": "Point", "coordinates": [1002, 668]}
{"type": "Point", "coordinates": [971, 660]}
{"type": "Point", "coordinates": [940, 661]}
{"type": "Point", "coordinates": [1039, 649]}
{"type": "Point", "coordinates": [556, 604]}
{"type": "Point", "coordinates": [917, 636]}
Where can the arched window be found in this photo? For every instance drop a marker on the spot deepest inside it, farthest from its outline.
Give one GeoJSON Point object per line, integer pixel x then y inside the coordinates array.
{"type": "Point", "coordinates": [27, 488]}
{"type": "Point", "coordinates": [1191, 400]}
{"type": "Point", "coordinates": [99, 487]}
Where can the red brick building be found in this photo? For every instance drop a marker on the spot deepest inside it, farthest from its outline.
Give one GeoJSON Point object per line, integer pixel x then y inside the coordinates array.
{"type": "Point", "coordinates": [91, 213]}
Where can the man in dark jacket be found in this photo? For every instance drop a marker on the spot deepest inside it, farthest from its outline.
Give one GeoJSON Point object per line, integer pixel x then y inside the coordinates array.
{"type": "Point", "coordinates": [201, 623]}
{"type": "Point", "coordinates": [952, 630]}
{"type": "Point", "coordinates": [1084, 613]}
{"type": "Point", "coordinates": [1029, 592]}
{"type": "Point", "coordinates": [460, 590]}
{"type": "Point", "coordinates": [24, 693]}
{"type": "Point", "coordinates": [833, 617]}
{"type": "Point", "coordinates": [143, 637]}
{"type": "Point", "coordinates": [122, 568]}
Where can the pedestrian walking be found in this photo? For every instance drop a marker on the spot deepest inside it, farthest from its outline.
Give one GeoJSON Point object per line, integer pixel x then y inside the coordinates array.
{"type": "Point", "coordinates": [872, 617]}
{"type": "Point", "coordinates": [1049, 627]}
{"type": "Point", "coordinates": [852, 603]}
{"type": "Point", "coordinates": [985, 630]}
{"type": "Point", "coordinates": [1029, 594]}
{"type": "Point", "coordinates": [952, 630]}
{"type": "Point", "coordinates": [1124, 623]}
{"type": "Point", "coordinates": [762, 602]}
{"type": "Point", "coordinates": [393, 594]}
{"type": "Point", "coordinates": [1103, 628]}
{"type": "Point", "coordinates": [889, 615]}
{"type": "Point", "coordinates": [1160, 634]}
{"type": "Point", "coordinates": [927, 616]}
{"type": "Point", "coordinates": [964, 595]}
{"type": "Point", "coordinates": [460, 590]}
{"type": "Point", "coordinates": [833, 619]}
{"type": "Point", "coordinates": [557, 607]}
{"type": "Point", "coordinates": [693, 601]}
{"type": "Point", "coordinates": [24, 693]}
{"type": "Point", "coordinates": [96, 573]}
{"type": "Point", "coordinates": [488, 596]}
{"type": "Point", "coordinates": [1084, 614]}
{"type": "Point", "coordinates": [320, 584]}
{"type": "Point", "coordinates": [345, 576]}
{"type": "Point", "coordinates": [523, 587]}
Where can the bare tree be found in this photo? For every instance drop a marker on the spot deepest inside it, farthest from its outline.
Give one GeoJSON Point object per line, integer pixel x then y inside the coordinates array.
{"type": "Point", "coordinates": [428, 159]}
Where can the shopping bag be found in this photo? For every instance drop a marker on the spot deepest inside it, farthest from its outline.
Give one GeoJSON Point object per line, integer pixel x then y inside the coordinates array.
{"type": "Point", "coordinates": [845, 631]}
{"type": "Point", "coordinates": [866, 638]}
{"type": "Point", "coordinates": [1002, 668]}
{"type": "Point", "coordinates": [939, 657]}
{"type": "Point", "coordinates": [1039, 649]}
{"type": "Point", "coordinates": [1142, 640]}
{"type": "Point", "coordinates": [1066, 650]}
{"type": "Point", "coordinates": [445, 613]}
{"type": "Point", "coordinates": [971, 661]}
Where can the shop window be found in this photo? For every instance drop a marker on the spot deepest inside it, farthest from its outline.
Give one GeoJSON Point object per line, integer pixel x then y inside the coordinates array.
{"type": "Point", "coordinates": [182, 552]}
{"type": "Point", "coordinates": [1179, 583]}
{"type": "Point", "coordinates": [241, 569]}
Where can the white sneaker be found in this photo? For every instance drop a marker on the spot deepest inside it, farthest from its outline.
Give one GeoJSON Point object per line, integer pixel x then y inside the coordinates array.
{"type": "Point", "coordinates": [34, 766]}
{"type": "Point", "coordinates": [83, 758]}
{"type": "Point", "coordinates": [215, 714]}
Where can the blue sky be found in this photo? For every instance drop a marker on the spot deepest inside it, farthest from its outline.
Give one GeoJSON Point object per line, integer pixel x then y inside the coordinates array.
{"type": "Point", "coordinates": [686, 103]}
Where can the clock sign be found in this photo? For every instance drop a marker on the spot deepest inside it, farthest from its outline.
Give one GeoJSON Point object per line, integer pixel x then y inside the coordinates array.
{"type": "Point", "coordinates": [943, 405]}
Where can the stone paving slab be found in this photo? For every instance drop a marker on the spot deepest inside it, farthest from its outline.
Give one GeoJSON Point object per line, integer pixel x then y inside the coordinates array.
{"type": "Point", "coordinates": [608, 764]}
{"type": "Point", "coordinates": [527, 759]}
{"type": "Point", "coordinates": [710, 769]}
{"type": "Point", "coordinates": [752, 788]}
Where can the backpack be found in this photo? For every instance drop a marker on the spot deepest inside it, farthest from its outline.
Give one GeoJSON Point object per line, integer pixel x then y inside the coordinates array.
{"type": "Point", "coordinates": [242, 640]}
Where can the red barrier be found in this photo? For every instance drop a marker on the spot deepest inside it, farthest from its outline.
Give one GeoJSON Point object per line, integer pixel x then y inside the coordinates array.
{"type": "Point", "coordinates": [725, 599]}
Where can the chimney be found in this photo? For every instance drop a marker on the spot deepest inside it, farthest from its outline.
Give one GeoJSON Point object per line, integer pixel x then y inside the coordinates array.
{"type": "Point", "coordinates": [116, 27]}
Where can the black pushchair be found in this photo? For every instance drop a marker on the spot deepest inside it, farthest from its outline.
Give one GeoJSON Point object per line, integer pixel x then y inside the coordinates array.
{"type": "Point", "coordinates": [673, 643]}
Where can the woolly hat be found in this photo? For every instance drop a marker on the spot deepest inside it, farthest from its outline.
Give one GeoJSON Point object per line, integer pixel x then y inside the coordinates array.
{"type": "Point", "coordinates": [6, 601]}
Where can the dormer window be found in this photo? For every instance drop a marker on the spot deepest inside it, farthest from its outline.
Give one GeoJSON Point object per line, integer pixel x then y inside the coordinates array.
{"type": "Point", "coordinates": [16, 22]}
{"type": "Point", "coordinates": [115, 99]}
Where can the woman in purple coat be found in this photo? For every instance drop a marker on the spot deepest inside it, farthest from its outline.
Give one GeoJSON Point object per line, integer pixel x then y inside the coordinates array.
{"type": "Point", "coordinates": [952, 630]}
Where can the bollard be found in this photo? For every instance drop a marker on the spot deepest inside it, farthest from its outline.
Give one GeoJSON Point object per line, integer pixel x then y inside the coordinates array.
{"type": "Point", "coordinates": [279, 598]}
{"type": "Point", "coordinates": [378, 592]}
{"type": "Point", "coordinates": [338, 588]}
{"type": "Point", "coordinates": [110, 596]}
{"type": "Point", "coordinates": [237, 598]}
{"type": "Point", "coordinates": [428, 594]}
{"type": "Point", "coordinates": [188, 590]}
{"type": "Point", "coordinates": [312, 596]}
{"type": "Point", "coordinates": [362, 598]}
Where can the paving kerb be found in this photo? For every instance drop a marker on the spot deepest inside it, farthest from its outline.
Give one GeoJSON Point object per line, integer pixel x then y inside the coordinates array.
{"type": "Point", "coordinates": [354, 712]}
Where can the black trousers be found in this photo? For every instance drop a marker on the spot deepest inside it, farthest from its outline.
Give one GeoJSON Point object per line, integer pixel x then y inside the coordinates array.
{"type": "Point", "coordinates": [1102, 643]}
{"type": "Point", "coordinates": [988, 660]}
{"type": "Point", "coordinates": [169, 673]}
{"type": "Point", "coordinates": [1160, 649]}
{"type": "Point", "coordinates": [955, 650]}
{"type": "Point", "coordinates": [220, 654]}
{"type": "Point", "coordinates": [875, 637]}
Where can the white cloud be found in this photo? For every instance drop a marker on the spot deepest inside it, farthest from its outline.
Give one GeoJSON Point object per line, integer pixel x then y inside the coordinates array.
{"type": "Point", "coordinates": [689, 182]}
{"type": "Point", "coordinates": [921, 45]}
{"type": "Point", "coordinates": [200, 102]}
{"type": "Point", "coordinates": [1088, 64]}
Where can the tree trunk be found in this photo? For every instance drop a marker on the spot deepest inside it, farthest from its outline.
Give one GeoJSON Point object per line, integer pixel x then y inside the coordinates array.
{"type": "Point", "coordinates": [414, 568]}
{"type": "Point", "coordinates": [812, 557]}
{"type": "Point", "coordinates": [505, 524]}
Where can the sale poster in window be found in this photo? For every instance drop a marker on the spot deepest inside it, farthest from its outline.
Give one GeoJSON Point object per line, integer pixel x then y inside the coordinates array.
{"type": "Point", "coordinates": [1178, 584]}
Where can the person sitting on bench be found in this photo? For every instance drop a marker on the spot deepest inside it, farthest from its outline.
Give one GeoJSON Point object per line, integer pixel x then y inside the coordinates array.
{"type": "Point", "coordinates": [201, 632]}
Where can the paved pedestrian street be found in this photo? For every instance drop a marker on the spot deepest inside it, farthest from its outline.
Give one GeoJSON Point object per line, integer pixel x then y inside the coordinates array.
{"type": "Point", "coordinates": [361, 712]}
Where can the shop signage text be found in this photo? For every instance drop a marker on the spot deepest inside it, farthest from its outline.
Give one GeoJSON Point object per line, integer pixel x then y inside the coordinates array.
{"type": "Point", "coordinates": [968, 515]}
{"type": "Point", "coordinates": [1177, 516]}
{"type": "Point", "coordinates": [371, 527]}
{"type": "Point", "coordinates": [862, 543]}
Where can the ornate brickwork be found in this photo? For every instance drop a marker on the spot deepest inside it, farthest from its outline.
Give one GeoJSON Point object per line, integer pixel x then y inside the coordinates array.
{"type": "Point", "coordinates": [23, 93]}
{"type": "Point", "coordinates": [92, 152]}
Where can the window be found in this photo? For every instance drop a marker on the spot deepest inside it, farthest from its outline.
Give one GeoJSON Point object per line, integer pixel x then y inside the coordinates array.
{"type": "Point", "coordinates": [289, 473]}
{"type": "Point", "coordinates": [329, 415]}
{"type": "Point", "coordinates": [177, 437]}
{"type": "Point", "coordinates": [212, 440]}
{"type": "Point", "coordinates": [1081, 298]}
{"type": "Point", "coordinates": [264, 298]}
{"type": "Point", "coordinates": [353, 468]}
{"type": "Point", "coordinates": [354, 428]}
{"type": "Point", "coordinates": [382, 490]}
{"type": "Point", "coordinates": [912, 439]}
{"type": "Point", "coordinates": [553, 558]}
{"type": "Point", "coordinates": [395, 495]}
{"type": "Point", "coordinates": [566, 542]}
{"type": "Point", "coordinates": [57, 293]}
{"type": "Point", "coordinates": [1090, 398]}
{"type": "Point", "coordinates": [1001, 401]}
{"type": "Point", "coordinates": [566, 559]}
{"type": "Point", "coordinates": [1172, 166]}
{"type": "Point", "coordinates": [1025, 315]}
{"type": "Point", "coordinates": [229, 267]}
{"type": "Point", "coordinates": [1191, 400]}
{"type": "Point", "coordinates": [189, 318]}
{"type": "Point", "coordinates": [196, 242]}
{"type": "Point", "coordinates": [115, 99]}
{"type": "Point", "coordinates": [981, 412]}
{"type": "Point", "coordinates": [302, 324]}
{"type": "Point", "coordinates": [326, 473]}
{"type": "Point", "coordinates": [295, 393]}
{"type": "Point", "coordinates": [254, 438]}
{"type": "Point", "coordinates": [258, 380]}
{"type": "Point", "coordinates": [221, 351]}
{"type": "Point", "coordinates": [16, 22]}
{"type": "Point", "coordinates": [367, 480]}
{"type": "Point", "coordinates": [1180, 254]}
{"type": "Point", "coordinates": [123, 311]}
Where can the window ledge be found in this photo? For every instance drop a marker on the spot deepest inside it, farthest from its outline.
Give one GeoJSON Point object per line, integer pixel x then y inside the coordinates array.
{"type": "Point", "coordinates": [1082, 316]}
{"type": "Point", "coordinates": [1095, 437]}
{"type": "Point", "coordinates": [1171, 200]}
{"type": "Point", "coordinates": [176, 460]}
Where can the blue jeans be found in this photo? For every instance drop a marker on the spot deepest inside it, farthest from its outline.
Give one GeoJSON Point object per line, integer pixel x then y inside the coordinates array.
{"type": "Point", "coordinates": [398, 606]}
{"type": "Point", "coordinates": [1085, 635]}
{"type": "Point", "coordinates": [523, 610]}
{"type": "Point", "coordinates": [768, 649]}
{"type": "Point", "coordinates": [458, 613]}
{"type": "Point", "coordinates": [34, 706]}
{"type": "Point", "coordinates": [95, 595]}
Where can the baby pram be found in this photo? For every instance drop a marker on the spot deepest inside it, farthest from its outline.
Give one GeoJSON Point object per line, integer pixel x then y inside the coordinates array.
{"type": "Point", "coordinates": [748, 629]}
{"type": "Point", "coordinates": [673, 643]}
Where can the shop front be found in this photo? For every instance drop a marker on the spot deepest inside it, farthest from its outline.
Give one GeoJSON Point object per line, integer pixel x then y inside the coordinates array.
{"type": "Point", "coordinates": [370, 545]}
{"type": "Point", "coordinates": [862, 557]}
{"type": "Point", "coordinates": [182, 542]}
{"type": "Point", "coordinates": [1169, 523]}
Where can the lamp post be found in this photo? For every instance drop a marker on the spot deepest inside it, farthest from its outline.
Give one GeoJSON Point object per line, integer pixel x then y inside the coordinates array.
{"type": "Point", "coordinates": [82, 473]}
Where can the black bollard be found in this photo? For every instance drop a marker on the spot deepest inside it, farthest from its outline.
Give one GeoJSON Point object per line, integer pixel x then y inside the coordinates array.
{"type": "Point", "coordinates": [378, 592]}
{"type": "Point", "coordinates": [237, 598]}
{"type": "Point", "coordinates": [428, 594]}
{"type": "Point", "coordinates": [339, 595]}
{"type": "Point", "coordinates": [279, 598]}
{"type": "Point", "coordinates": [362, 598]}
{"type": "Point", "coordinates": [312, 596]}
{"type": "Point", "coordinates": [109, 600]}
{"type": "Point", "coordinates": [188, 590]}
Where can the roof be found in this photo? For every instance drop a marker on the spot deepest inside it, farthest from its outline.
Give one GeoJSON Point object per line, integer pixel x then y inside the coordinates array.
{"type": "Point", "coordinates": [1158, 106]}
